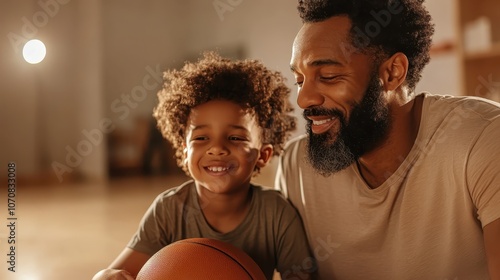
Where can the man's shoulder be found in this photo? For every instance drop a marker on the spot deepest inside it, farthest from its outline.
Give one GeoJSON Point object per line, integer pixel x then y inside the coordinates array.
{"type": "Point", "coordinates": [466, 102]}
{"type": "Point", "coordinates": [465, 109]}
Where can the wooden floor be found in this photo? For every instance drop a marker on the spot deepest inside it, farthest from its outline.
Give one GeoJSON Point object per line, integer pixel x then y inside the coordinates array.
{"type": "Point", "coordinates": [71, 231]}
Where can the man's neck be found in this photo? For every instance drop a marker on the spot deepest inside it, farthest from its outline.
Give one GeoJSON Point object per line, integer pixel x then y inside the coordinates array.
{"type": "Point", "coordinates": [379, 164]}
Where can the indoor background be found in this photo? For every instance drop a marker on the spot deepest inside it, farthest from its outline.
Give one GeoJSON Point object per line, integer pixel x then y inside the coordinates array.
{"type": "Point", "coordinates": [78, 124]}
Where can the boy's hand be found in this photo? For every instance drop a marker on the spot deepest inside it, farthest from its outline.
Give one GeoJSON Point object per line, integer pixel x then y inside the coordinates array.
{"type": "Point", "coordinates": [113, 274]}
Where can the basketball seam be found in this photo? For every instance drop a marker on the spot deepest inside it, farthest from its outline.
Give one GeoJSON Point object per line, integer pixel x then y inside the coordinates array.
{"type": "Point", "coordinates": [249, 275]}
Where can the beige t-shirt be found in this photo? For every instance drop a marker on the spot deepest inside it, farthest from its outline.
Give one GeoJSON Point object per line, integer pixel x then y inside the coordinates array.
{"type": "Point", "coordinates": [425, 221]}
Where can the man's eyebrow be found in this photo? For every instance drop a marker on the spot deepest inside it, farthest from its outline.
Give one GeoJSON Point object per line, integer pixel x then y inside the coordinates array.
{"type": "Point", "coordinates": [319, 62]}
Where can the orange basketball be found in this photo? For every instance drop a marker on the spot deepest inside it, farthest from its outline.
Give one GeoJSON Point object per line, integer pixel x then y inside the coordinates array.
{"type": "Point", "coordinates": [200, 258]}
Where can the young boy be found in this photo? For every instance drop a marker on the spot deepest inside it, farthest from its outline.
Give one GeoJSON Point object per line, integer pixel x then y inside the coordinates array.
{"type": "Point", "coordinates": [226, 120]}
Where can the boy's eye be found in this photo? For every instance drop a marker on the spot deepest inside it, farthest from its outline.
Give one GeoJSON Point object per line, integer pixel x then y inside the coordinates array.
{"type": "Point", "coordinates": [199, 138]}
{"type": "Point", "coordinates": [236, 138]}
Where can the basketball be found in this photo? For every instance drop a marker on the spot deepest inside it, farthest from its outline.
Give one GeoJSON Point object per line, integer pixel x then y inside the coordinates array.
{"type": "Point", "coordinates": [200, 258]}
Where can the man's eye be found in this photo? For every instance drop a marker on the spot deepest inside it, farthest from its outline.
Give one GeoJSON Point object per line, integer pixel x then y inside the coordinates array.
{"type": "Point", "coordinates": [199, 138]}
{"type": "Point", "coordinates": [328, 78]}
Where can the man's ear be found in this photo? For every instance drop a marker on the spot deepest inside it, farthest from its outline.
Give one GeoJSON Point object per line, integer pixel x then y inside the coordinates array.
{"type": "Point", "coordinates": [393, 71]}
{"type": "Point", "coordinates": [265, 155]}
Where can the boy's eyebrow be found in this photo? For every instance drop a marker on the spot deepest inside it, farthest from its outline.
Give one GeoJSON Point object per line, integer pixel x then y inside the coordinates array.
{"type": "Point", "coordinates": [319, 62]}
{"type": "Point", "coordinates": [198, 127]}
{"type": "Point", "coordinates": [202, 126]}
{"type": "Point", "coordinates": [239, 127]}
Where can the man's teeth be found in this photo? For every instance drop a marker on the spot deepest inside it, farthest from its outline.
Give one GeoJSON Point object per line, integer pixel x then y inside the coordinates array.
{"type": "Point", "coordinates": [322, 121]}
{"type": "Point", "coordinates": [217, 168]}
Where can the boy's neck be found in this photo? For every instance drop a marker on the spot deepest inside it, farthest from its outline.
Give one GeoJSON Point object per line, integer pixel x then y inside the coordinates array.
{"type": "Point", "coordinates": [225, 212]}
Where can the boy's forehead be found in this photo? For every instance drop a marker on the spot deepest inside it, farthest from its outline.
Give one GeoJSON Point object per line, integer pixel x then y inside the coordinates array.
{"type": "Point", "coordinates": [221, 112]}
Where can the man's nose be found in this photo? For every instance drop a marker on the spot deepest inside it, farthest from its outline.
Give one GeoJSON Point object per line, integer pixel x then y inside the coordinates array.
{"type": "Point", "coordinates": [308, 95]}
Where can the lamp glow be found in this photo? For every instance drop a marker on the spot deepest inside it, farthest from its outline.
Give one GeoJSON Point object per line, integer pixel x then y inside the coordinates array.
{"type": "Point", "coordinates": [34, 51]}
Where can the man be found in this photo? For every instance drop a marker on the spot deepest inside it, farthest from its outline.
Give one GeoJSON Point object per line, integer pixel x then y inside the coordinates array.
{"type": "Point", "coordinates": [390, 184]}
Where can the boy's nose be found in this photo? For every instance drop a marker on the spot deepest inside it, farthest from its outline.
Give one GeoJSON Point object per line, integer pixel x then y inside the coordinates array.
{"type": "Point", "coordinates": [217, 149]}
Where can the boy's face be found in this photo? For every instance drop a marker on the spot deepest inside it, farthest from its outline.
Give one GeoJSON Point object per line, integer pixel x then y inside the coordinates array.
{"type": "Point", "coordinates": [223, 146]}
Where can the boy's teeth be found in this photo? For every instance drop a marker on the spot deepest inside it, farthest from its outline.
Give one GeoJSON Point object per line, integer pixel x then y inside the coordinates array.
{"type": "Point", "coordinates": [322, 121]}
{"type": "Point", "coordinates": [217, 168]}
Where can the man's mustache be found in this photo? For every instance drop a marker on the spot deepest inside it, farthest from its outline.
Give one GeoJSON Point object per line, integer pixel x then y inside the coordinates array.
{"type": "Point", "coordinates": [321, 111]}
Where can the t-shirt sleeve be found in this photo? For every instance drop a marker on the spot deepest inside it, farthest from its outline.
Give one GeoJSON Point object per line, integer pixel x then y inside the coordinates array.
{"type": "Point", "coordinates": [294, 255]}
{"type": "Point", "coordinates": [150, 237]}
{"type": "Point", "coordinates": [288, 169]}
{"type": "Point", "coordinates": [483, 173]}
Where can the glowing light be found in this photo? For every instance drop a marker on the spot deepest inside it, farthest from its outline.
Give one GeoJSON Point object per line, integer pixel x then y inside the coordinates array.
{"type": "Point", "coordinates": [34, 51]}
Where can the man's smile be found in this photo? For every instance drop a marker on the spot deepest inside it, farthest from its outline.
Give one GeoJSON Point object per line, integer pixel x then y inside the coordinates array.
{"type": "Point", "coordinates": [322, 124]}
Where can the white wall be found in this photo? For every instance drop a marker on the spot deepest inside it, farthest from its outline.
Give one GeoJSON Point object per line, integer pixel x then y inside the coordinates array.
{"type": "Point", "coordinates": [89, 90]}
{"type": "Point", "coordinates": [58, 98]}
{"type": "Point", "coordinates": [40, 108]}
{"type": "Point", "coordinates": [101, 51]}
{"type": "Point", "coordinates": [18, 92]}
{"type": "Point", "coordinates": [442, 74]}
{"type": "Point", "coordinates": [264, 29]}
{"type": "Point", "coordinates": [139, 38]}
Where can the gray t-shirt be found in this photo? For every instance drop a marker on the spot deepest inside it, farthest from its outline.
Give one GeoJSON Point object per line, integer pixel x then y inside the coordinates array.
{"type": "Point", "coordinates": [272, 233]}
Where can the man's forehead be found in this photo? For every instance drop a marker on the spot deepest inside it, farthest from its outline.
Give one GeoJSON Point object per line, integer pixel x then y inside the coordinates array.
{"type": "Point", "coordinates": [336, 27]}
{"type": "Point", "coordinates": [322, 40]}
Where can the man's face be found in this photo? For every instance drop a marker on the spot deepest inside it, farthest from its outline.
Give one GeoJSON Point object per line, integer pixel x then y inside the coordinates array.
{"type": "Point", "coordinates": [340, 93]}
{"type": "Point", "coordinates": [367, 126]}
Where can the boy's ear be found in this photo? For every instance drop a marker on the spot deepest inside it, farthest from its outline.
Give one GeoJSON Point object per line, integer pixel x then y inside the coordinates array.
{"type": "Point", "coordinates": [265, 155]}
{"type": "Point", "coordinates": [184, 154]}
{"type": "Point", "coordinates": [393, 71]}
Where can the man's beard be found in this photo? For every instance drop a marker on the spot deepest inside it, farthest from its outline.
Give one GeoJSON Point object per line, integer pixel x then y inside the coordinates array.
{"type": "Point", "coordinates": [367, 127]}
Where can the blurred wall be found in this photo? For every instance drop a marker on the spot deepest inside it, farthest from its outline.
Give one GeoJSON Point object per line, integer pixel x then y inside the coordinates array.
{"type": "Point", "coordinates": [18, 93]}
{"type": "Point", "coordinates": [39, 110]}
{"type": "Point", "coordinates": [103, 68]}
{"type": "Point", "coordinates": [434, 79]}
{"type": "Point", "coordinates": [104, 63]}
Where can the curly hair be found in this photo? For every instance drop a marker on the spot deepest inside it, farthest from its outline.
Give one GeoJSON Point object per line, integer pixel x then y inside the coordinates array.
{"type": "Point", "coordinates": [406, 28]}
{"type": "Point", "coordinates": [248, 83]}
